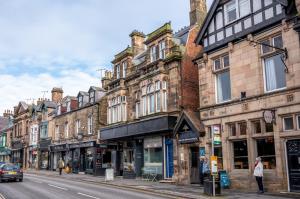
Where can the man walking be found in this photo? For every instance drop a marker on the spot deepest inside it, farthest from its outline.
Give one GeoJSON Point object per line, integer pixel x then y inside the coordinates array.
{"type": "Point", "coordinates": [61, 165]}
{"type": "Point", "coordinates": [258, 173]}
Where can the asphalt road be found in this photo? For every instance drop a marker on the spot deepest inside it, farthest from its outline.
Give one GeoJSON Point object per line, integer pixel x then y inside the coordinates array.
{"type": "Point", "coordinates": [42, 187]}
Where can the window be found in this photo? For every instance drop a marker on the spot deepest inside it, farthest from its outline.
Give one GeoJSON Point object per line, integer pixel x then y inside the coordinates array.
{"type": "Point", "coordinates": [256, 126]}
{"type": "Point", "coordinates": [44, 131]}
{"type": "Point", "coordinates": [269, 127]}
{"type": "Point", "coordinates": [118, 71]}
{"type": "Point", "coordinates": [236, 9]}
{"type": "Point", "coordinates": [164, 101]}
{"type": "Point", "coordinates": [117, 109]}
{"type": "Point", "coordinates": [59, 110]}
{"type": "Point", "coordinates": [243, 128]}
{"type": "Point", "coordinates": [288, 123]}
{"type": "Point", "coordinates": [80, 101]}
{"type": "Point", "coordinates": [272, 41]}
{"type": "Point", "coordinates": [298, 121]}
{"type": "Point", "coordinates": [240, 154]}
{"type": "Point", "coordinates": [137, 110]}
{"type": "Point", "coordinates": [92, 96]}
{"type": "Point", "coordinates": [66, 130]}
{"type": "Point", "coordinates": [162, 49]}
{"type": "Point", "coordinates": [124, 67]}
{"type": "Point", "coordinates": [68, 106]}
{"type": "Point", "coordinates": [153, 53]}
{"type": "Point", "coordinates": [164, 85]}
{"type": "Point", "coordinates": [153, 155]}
{"type": "Point", "coordinates": [90, 125]}
{"type": "Point", "coordinates": [232, 129]}
{"type": "Point", "coordinates": [57, 132]}
{"type": "Point", "coordinates": [223, 87]}
{"type": "Point", "coordinates": [274, 71]}
{"type": "Point", "coordinates": [256, 5]}
{"type": "Point", "coordinates": [266, 150]}
{"type": "Point", "coordinates": [77, 127]}
{"type": "Point", "coordinates": [157, 101]}
{"type": "Point", "coordinates": [144, 100]}
{"type": "Point", "coordinates": [221, 63]}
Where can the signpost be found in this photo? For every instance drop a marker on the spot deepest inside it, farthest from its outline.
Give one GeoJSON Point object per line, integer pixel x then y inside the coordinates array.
{"type": "Point", "coordinates": [216, 135]}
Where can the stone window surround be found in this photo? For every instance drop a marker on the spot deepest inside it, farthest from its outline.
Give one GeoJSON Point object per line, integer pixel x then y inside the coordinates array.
{"type": "Point", "coordinates": [295, 122]}
{"type": "Point", "coordinates": [238, 130]}
{"type": "Point", "coordinates": [119, 100]}
{"type": "Point", "coordinates": [155, 43]}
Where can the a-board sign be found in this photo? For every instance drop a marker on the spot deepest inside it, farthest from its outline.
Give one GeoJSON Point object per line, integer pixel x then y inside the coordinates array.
{"type": "Point", "coordinates": [109, 174]}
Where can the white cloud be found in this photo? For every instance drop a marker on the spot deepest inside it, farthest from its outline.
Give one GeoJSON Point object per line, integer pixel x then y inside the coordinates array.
{"type": "Point", "coordinates": [20, 88]}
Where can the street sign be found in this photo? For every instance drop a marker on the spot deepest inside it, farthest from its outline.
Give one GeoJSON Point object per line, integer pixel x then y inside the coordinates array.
{"type": "Point", "coordinates": [216, 134]}
{"type": "Point", "coordinates": [214, 165]}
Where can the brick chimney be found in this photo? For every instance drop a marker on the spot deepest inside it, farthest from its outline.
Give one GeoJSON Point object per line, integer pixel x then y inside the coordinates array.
{"type": "Point", "coordinates": [137, 42]}
{"type": "Point", "coordinates": [7, 113]}
{"type": "Point", "coordinates": [198, 12]}
{"type": "Point", "coordinates": [57, 94]}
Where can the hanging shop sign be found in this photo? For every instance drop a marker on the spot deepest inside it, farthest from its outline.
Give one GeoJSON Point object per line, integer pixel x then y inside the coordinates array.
{"type": "Point", "coordinates": [269, 116]}
{"type": "Point", "coordinates": [216, 134]}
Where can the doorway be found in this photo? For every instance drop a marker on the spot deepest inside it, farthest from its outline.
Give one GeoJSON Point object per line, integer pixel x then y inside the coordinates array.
{"type": "Point", "coordinates": [293, 161]}
{"type": "Point", "coordinates": [194, 165]}
{"type": "Point", "coordinates": [169, 157]}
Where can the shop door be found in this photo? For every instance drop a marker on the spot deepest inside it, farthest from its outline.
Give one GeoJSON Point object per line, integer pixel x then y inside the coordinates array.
{"type": "Point", "coordinates": [169, 158]}
{"type": "Point", "coordinates": [293, 157]}
{"type": "Point", "coordinates": [139, 158]}
{"type": "Point", "coordinates": [194, 165]}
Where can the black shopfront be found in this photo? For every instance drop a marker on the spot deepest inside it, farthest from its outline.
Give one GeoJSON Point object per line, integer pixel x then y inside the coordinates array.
{"type": "Point", "coordinates": [17, 152]}
{"type": "Point", "coordinates": [139, 145]}
{"type": "Point", "coordinates": [44, 154]}
{"type": "Point", "coordinates": [56, 152]}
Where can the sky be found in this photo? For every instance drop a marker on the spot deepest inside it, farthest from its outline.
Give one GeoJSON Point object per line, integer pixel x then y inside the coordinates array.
{"type": "Point", "coordinates": [62, 43]}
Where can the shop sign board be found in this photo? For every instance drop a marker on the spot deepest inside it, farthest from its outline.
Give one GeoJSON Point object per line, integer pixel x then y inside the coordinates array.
{"type": "Point", "coordinates": [188, 137]}
{"type": "Point", "coordinates": [214, 165]}
{"type": "Point", "coordinates": [217, 134]}
{"type": "Point", "coordinates": [82, 145]}
{"type": "Point", "coordinates": [109, 174]}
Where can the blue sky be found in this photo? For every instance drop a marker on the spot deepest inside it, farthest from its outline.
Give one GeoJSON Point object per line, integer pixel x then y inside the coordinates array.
{"type": "Point", "coordinates": [48, 43]}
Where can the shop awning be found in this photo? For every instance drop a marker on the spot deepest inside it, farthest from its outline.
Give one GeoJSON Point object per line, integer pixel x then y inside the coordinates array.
{"type": "Point", "coordinates": [147, 126]}
{"type": "Point", "coordinates": [189, 127]}
{"type": "Point", "coordinates": [5, 151]}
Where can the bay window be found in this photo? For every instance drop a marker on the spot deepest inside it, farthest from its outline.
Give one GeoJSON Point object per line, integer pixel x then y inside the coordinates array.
{"type": "Point", "coordinates": [117, 111]}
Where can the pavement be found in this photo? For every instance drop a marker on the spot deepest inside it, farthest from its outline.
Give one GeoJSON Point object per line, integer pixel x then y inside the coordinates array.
{"type": "Point", "coordinates": [138, 187]}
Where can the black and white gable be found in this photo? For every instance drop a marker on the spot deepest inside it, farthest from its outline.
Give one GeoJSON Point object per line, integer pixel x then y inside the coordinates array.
{"type": "Point", "coordinates": [230, 20]}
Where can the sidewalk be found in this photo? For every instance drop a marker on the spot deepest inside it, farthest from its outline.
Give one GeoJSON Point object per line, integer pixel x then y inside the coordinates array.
{"type": "Point", "coordinates": [170, 190]}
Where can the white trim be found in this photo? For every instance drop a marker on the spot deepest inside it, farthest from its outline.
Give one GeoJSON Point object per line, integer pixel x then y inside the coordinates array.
{"type": "Point", "coordinates": [283, 124]}
{"type": "Point", "coordinates": [298, 123]}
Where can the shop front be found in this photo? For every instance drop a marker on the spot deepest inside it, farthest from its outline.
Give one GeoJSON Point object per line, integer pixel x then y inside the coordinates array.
{"type": "Point", "coordinates": [141, 146]}
{"type": "Point", "coordinates": [17, 152]}
{"type": "Point", "coordinates": [5, 154]}
{"type": "Point", "coordinates": [44, 155]}
{"type": "Point", "coordinates": [33, 154]}
{"type": "Point", "coordinates": [82, 157]}
{"type": "Point", "coordinates": [57, 152]}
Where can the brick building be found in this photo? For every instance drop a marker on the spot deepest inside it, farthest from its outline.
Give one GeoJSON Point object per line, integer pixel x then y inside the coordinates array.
{"type": "Point", "coordinates": [152, 81]}
{"type": "Point", "coordinates": [75, 128]}
{"type": "Point", "coordinates": [249, 78]}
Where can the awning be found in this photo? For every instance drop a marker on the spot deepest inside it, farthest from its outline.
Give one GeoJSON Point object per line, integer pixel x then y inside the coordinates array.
{"type": "Point", "coordinates": [189, 127]}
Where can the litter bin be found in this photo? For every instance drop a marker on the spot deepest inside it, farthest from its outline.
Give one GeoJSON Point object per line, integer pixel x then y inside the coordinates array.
{"type": "Point", "coordinates": [224, 179]}
{"type": "Point", "coordinates": [208, 187]}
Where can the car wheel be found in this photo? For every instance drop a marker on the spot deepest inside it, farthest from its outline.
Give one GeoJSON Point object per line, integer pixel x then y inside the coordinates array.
{"type": "Point", "coordinates": [21, 180]}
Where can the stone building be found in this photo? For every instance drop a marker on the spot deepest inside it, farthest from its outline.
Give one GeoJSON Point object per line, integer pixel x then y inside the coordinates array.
{"type": "Point", "coordinates": [249, 88]}
{"type": "Point", "coordinates": [75, 128]}
{"type": "Point", "coordinates": [20, 137]}
{"type": "Point", "coordinates": [6, 129]}
{"type": "Point", "coordinates": [152, 81]}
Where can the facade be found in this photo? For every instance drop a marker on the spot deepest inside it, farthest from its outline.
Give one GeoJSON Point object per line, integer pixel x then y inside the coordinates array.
{"type": "Point", "coordinates": [153, 80]}
{"type": "Point", "coordinates": [6, 128]}
{"type": "Point", "coordinates": [249, 92]}
{"type": "Point", "coordinates": [75, 128]}
{"type": "Point", "coordinates": [20, 136]}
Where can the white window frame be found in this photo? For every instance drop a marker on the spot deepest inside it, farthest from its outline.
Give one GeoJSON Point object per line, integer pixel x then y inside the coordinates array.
{"type": "Point", "coordinates": [237, 10]}
{"type": "Point", "coordinates": [118, 71]}
{"type": "Point", "coordinates": [298, 123]}
{"type": "Point", "coordinates": [80, 100]}
{"type": "Point", "coordinates": [283, 123]}
{"type": "Point", "coordinates": [137, 110]}
{"type": "Point", "coordinates": [92, 96]}
{"type": "Point", "coordinates": [57, 132]}
{"type": "Point", "coordinates": [66, 129]}
{"type": "Point", "coordinates": [164, 101]}
{"type": "Point", "coordinates": [77, 127]}
{"type": "Point", "coordinates": [157, 101]}
{"type": "Point", "coordinates": [153, 53]}
{"type": "Point", "coordinates": [59, 109]}
{"type": "Point", "coordinates": [144, 102]}
{"type": "Point", "coordinates": [162, 49]}
{"type": "Point", "coordinates": [124, 68]}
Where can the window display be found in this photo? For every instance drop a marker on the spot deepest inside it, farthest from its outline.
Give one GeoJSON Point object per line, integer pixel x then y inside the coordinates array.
{"type": "Point", "coordinates": [266, 150]}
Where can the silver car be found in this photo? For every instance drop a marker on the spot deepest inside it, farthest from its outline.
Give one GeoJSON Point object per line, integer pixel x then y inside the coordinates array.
{"type": "Point", "coordinates": [10, 171]}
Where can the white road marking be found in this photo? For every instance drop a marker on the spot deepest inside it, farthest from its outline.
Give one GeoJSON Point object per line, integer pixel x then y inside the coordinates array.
{"type": "Point", "coordinates": [1, 196]}
{"type": "Point", "coordinates": [37, 181]}
{"type": "Point", "coordinates": [51, 185]}
{"type": "Point", "coordinates": [87, 195]}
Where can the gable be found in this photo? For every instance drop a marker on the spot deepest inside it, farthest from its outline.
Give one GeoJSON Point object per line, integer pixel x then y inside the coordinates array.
{"type": "Point", "coordinates": [232, 20]}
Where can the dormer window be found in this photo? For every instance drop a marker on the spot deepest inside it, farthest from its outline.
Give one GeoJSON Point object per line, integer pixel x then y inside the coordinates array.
{"type": "Point", "coordinates": [92, 96]}
{"type": "Point", "coordinates": [58, 109]}
{"type": "Point", "coordinates": [153, 53]}
{"type": "Point", "coordinates": [162, 49]}
{"type": "Point", "coordinates": [80, 101]}
{"type": "Point", "coordinates": [68, 106]}
{"type": "Point", "coordinates": [124, 68]}
{"type": "Point", "coordinates": [118, 71]}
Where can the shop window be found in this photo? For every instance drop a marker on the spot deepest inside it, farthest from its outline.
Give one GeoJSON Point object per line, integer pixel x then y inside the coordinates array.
{"type": "Point", "coordinates": [232, 129]}
{"type": "Point", "coordinates": [256, 126]}
{"type": "Point", "coordinates": [240, 154]}
{"type": "Point", "coordinates": [153, 155]}
{"type": "Point", "coordinates": [243, 128]}
{"type": "Point", "coordinates": [219, 154]}
{"type": "Point", "coordinates": [266, 150]}
{"type": "Point", "coordinates": [288, 123]}
{"type": "Point", "coordinates": [106, 159]}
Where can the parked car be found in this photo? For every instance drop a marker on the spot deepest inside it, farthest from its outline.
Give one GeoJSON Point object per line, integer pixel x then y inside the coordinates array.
{"type": "Point", "coordinates": [10, 171]}
{"type": "Point", "coordinates": [2, 163]}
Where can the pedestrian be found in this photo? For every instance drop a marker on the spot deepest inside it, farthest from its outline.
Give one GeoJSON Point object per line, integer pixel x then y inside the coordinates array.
{"type": "Point", "coordinates": [61, 165]}
{"type": "Point", "coordinates": [201, 174]}
{"type": "Point", "coordinates": [258, 173]}
{"type": "Point", "coordinates": [205, 168]}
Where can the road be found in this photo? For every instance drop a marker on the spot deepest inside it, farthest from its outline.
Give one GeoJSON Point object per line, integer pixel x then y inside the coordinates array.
{"type": "Point", "coordinates": [42, 187]}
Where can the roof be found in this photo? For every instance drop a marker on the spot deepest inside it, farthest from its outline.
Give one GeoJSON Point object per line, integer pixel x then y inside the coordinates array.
{"type": "Point", "coordinates": [192, 118]}
{"type": "Point", "coordinates": [3, 122]}
{"type": "Point", "coordinates": [96, 88]}
{"type": "Point", "coordinates": [83, 93]}
{"type": "Point", "coordinates": [49, 104]}
{"type": "Point", "coordinates": [182, 34]}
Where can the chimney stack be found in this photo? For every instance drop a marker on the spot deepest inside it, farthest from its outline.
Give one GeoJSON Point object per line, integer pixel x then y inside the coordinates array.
{"type": "Point", "coordinates": [137, 42]}
{"type": "Point", "coordinates": [57, 94]}
{"type": "Point", "coordinates": [198, 12]}
{"type": "Point", "coordinates": [106, 79]}
{"type": "Point", "coordinates": [7, 113]}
